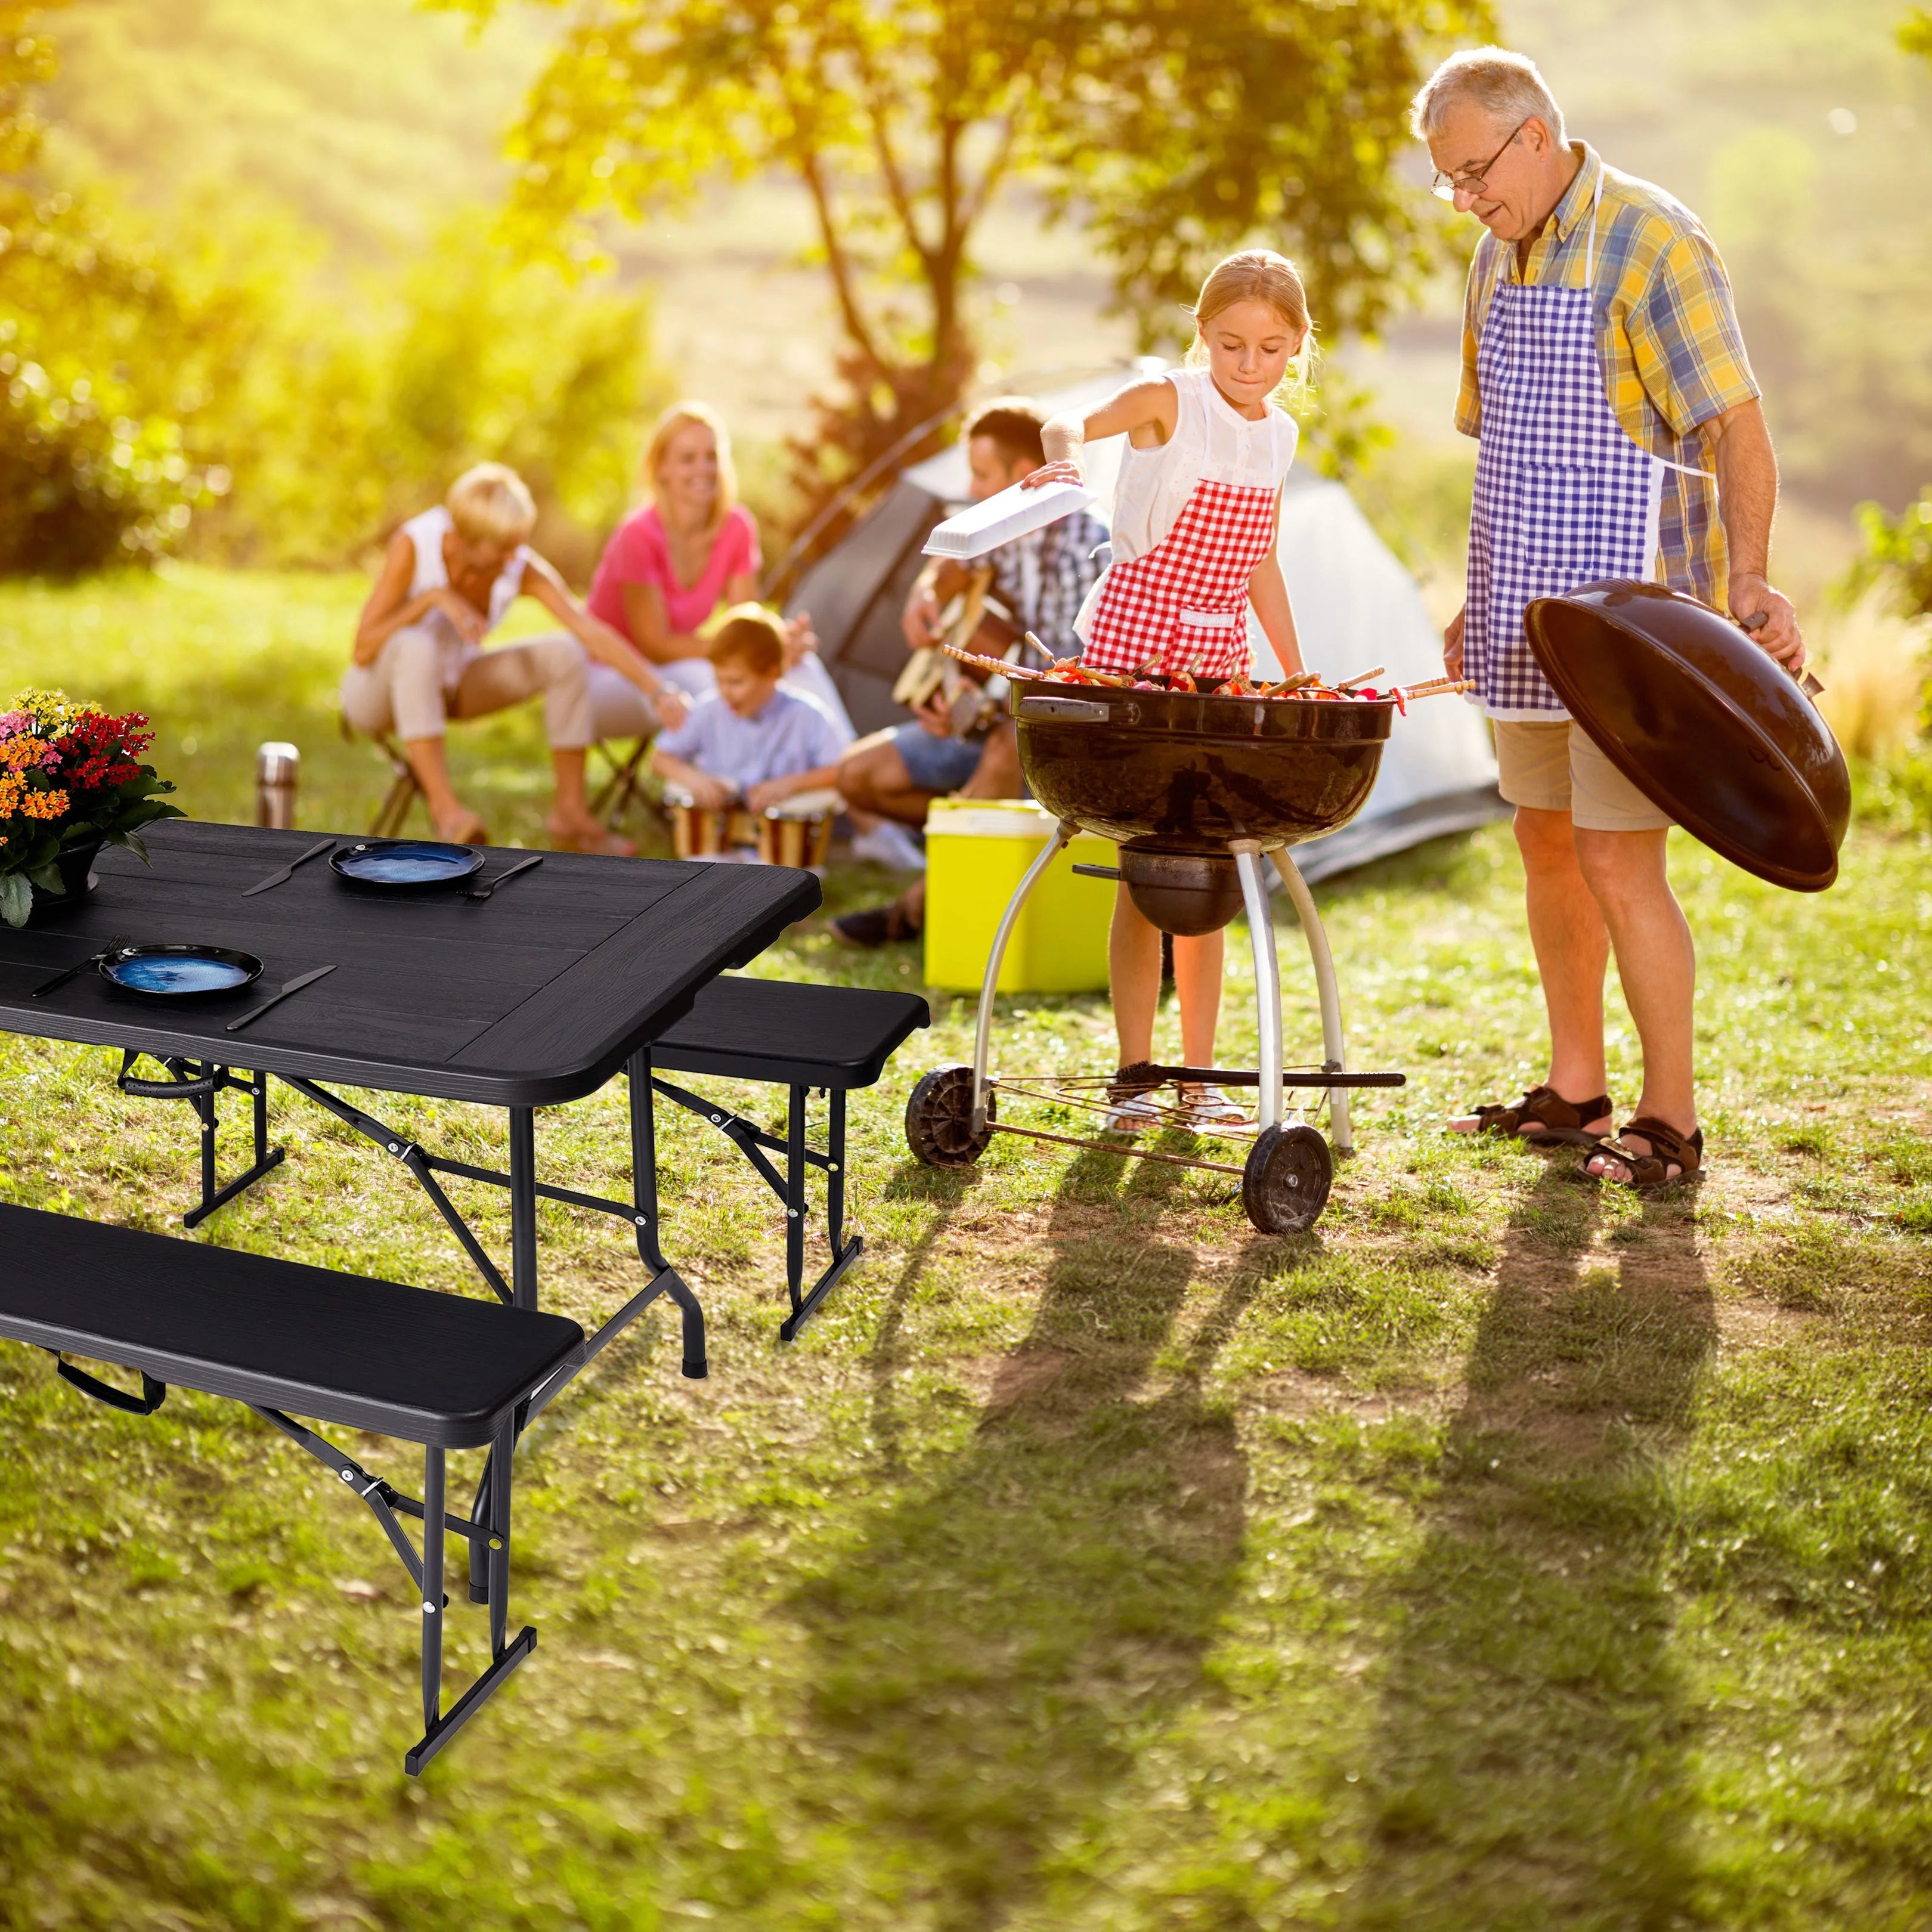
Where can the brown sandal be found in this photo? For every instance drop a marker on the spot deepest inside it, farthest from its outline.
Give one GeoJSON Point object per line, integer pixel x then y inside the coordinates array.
{"type": "Point", "coordinates": [1542, 1107]}
{"type": "Point", "coordinates": [1669, 1149]}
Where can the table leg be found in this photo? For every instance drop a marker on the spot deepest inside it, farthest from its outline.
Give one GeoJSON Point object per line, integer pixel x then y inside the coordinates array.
{"type": "Point", "coordinates": [644, 1192]}
{"type": "Point", "coordinates": [523, 1207]}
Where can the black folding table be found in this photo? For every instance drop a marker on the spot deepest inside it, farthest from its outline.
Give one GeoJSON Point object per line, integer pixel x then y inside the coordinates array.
{"type": "Point", "coordinates": [538, 995]}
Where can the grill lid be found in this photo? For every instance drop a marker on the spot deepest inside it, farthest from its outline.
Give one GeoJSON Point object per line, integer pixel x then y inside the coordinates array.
{"type": "Point", "coordinates": [1711, 728]}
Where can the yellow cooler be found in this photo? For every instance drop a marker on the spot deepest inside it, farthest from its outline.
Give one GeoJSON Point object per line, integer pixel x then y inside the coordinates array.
{"type": "Point", "coordinates": [977, 852]}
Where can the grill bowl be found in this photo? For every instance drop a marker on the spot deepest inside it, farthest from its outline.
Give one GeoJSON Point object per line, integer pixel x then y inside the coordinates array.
{"type": "Point", "coordinates": [1176, 771]}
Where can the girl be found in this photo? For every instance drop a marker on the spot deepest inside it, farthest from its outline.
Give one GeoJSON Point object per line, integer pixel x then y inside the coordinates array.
{"type": "Point", "coordinates": [1195, 517]}
{"type": "Point", "coordinates": [671, 565]}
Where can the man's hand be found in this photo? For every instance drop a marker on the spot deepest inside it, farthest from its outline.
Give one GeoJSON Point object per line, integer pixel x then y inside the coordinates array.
{"type": "Point", "coordinates": [672, 707]}
{"type": "Point", "coordinates": [471, 625]}
{"type": "Point", "coordinates": [935, 714]}
{"type": "Point", "coordinates": [1452, 644]}
{"type": "Point", "coordinates": [920, 624]}
{"type": "Point", "coordinates": [799, 638]}
{"type": "Point", "coordinates": [1751, 597]}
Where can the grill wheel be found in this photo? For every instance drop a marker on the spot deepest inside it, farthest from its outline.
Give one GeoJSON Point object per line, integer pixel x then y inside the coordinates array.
{"type": "Point", "coordinates": [939, 1120]}
{"type": "Point", "coordinates": [1285, 1183]}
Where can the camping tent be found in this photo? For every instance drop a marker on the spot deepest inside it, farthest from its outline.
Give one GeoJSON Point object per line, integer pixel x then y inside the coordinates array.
{"type": "Point", "coordinates": [1355, 607]}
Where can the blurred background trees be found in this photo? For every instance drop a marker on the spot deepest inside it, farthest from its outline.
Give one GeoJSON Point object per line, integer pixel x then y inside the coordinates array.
{"type": "Point", "coordinates": [1171, 131]}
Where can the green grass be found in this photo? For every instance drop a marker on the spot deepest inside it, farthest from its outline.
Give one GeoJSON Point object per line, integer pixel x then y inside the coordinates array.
{"type": "Point", "coordinates": [1506, 1554]}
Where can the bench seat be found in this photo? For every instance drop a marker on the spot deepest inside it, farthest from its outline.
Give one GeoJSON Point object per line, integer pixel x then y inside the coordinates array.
{"type": "Point", "coordinates": [796, 1035]}
{"type": "Point", "coordinates": [791, 1032]}
{"type": "Point", "coordinates": [401, 1361]}
{"type": "Point", "coordinates": [437, 1369]}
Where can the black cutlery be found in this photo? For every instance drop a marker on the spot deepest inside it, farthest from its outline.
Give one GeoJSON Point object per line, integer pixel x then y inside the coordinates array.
{"type": "Point", "coordinates": [288, 871]}
{"type": "Point", "coordinates": [60, 979]}
{"type": "Point", "coordinates": [288, 986]}
{"type": "Point", "coordinates": [481, 893]}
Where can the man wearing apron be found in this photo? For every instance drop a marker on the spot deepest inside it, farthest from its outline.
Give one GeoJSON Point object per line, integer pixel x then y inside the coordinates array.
{"type": "Point", "coordinates": [1620, 436]}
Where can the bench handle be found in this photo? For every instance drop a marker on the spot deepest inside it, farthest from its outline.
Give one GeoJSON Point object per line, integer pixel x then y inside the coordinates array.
{"type": "Point", "coordinates": [161, 1090]}
{"type": "Point", "coordinates": [153, 1394]}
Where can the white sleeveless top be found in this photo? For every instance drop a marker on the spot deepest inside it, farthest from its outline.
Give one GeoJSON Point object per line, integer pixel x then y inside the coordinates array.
{"type": "Point", "coordinates": [1212, 442]}
{"type": "Point", "coordinates": [426, 533]}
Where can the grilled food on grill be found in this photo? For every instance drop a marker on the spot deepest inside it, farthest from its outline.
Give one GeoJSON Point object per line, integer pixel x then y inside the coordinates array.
{"type": "Point", "coordinates": [1304, 686]}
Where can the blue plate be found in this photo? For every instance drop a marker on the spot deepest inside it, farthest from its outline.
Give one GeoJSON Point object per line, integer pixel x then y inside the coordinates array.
{"type": "Point", "coordinates": [405, 865]}
{"type": "Point", "coordinates": [179, 972]}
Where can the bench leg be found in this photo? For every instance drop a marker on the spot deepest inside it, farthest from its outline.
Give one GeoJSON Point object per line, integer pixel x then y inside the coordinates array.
{"type": "Point", "coordinates": [751, 1140]}
{"type": "Point", "coordinates": [489, 1539]}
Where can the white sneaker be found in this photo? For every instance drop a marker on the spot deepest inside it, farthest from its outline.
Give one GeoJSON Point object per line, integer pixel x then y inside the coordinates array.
{"type": "Point", "coordinates": [888, 844]}
{"type": "Point", "coordinates": [1209, 1107]}
{"type": "Point", "coordinates": [1134, 1114]}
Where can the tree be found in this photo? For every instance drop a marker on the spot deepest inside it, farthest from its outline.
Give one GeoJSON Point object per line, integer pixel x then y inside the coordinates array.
{"type": "Point", "coordinates": [1175, 129]}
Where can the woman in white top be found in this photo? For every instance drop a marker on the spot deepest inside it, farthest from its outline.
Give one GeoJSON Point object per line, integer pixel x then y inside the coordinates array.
{"type": "Point", "coordinates": [1194, 518]}
{"type": "Point", "coordinates": [450, 576]}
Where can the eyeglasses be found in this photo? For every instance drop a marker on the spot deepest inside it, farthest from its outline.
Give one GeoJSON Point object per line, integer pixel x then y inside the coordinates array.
{"type": "Point", "coordinates": [1447, 187]}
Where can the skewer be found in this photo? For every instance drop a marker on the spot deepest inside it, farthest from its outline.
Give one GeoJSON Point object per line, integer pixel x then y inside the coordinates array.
{"type": "Point", "coordinates": [1446, 687]}
{"type": "Point", "coordinates": [1362, 677]}
{"type": "Point", "coordinates": [1297, 682]}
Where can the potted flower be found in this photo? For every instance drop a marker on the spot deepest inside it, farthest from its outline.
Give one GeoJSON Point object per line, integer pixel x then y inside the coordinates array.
{"type": "Point", "coordinates": [71, 780]}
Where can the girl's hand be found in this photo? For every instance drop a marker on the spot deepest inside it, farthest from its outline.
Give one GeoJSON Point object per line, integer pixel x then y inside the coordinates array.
{"type": "Point", "coordinates": [672, 707]}
{"type": "Point", "coordinates": [1452, 645]}
{"type": "Point", "coordinates": [1066, 470]}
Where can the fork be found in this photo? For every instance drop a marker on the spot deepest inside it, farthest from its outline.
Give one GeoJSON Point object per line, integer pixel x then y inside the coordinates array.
{"type": "Point", "coordinates": [60, 979]}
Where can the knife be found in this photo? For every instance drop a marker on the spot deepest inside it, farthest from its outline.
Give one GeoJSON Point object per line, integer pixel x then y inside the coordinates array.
{"type": "Point", "coordinates": [288, 871]}
{"type": "Point", "coordinates": [288, 986]}
{"type": "Point", "coordinates": [477, 894]}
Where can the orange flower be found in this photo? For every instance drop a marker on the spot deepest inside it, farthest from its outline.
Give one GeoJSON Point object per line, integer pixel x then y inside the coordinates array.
{"type": "Point", "coordinates": [44, 804]}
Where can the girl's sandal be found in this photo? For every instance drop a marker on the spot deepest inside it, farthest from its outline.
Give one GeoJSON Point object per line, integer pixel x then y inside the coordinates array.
{"type": "Point", "coordinates": [1645, 1172]}
{"type": "Point", "coordinates": [1548, 1115]}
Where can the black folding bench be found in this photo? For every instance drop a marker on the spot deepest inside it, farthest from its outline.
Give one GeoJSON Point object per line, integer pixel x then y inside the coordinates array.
{"type": "Point", "coordinates": [799, 1037]}
{"type": "Point", "coordinates": [439, 1370]}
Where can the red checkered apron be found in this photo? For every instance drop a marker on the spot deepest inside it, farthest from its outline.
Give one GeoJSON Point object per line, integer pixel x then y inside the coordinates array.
{"type": "Point", "coordinates": [1184, 604]}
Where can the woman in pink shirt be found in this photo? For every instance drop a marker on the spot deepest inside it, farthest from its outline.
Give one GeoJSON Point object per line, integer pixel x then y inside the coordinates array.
{"type": "Point", "coordinates": [670, 566]}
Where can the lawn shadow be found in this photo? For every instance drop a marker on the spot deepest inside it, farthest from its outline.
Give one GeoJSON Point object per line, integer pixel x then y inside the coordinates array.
{"type": "Point", "coordinates": [998, 1639]}
{"type": "Point", "coordinates": [1528, 1766]}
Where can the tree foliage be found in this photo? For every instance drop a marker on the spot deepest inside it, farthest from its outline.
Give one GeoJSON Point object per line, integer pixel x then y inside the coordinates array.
{"type": "Point", "coordinates": [1177, 131]}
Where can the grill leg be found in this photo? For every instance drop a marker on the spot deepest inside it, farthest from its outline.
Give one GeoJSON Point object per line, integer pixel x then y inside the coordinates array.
{"type": "Point", "coordinates": [1267, 978]}
{"type": "Point", "coordinates": [1334, 1044]}
{"type": "Point", "coordinates": [982, 1036]}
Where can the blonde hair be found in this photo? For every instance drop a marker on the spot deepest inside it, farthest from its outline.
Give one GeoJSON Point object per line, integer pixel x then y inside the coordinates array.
{"type": "Point", "coordinates": [752, 636]}
{"type": "Point", "coordinates": [1258, 274]}
{"type": "Point", "coordinates": [490, 503]}
{"type": "Point", "coordinates": [681, 415]}
{"type": "Point", "coordinates": [1507, 87]}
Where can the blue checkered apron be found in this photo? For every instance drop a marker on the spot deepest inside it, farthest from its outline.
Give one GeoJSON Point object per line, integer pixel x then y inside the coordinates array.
{"type": "Point", "coordinates": [1563, 495]}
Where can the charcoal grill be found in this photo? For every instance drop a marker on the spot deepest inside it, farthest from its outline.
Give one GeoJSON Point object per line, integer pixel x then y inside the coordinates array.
{"type": "Point", "coordinates": [1195, 790]}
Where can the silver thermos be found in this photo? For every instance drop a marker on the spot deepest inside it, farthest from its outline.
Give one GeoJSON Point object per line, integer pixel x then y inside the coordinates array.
{"type": "Point", "coordinates": [277, 767]}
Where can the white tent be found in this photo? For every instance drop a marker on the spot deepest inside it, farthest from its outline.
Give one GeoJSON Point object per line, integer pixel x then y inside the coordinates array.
{"type": "Point", "coordinates": [1355, 607]}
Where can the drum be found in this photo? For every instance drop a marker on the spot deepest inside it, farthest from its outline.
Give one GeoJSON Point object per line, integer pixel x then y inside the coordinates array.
{"type": "Point", "coordinates": [799, 831]}
{"type": "Point", "coordinates": [700, 831]}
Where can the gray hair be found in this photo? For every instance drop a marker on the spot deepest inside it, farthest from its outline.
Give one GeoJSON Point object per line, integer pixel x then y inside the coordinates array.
{"type": "Point", "coordinates": [1506, 86]}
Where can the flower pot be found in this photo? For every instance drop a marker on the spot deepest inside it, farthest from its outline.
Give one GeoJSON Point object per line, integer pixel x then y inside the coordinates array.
{"type": "Point", "coordinates": [76, 868]}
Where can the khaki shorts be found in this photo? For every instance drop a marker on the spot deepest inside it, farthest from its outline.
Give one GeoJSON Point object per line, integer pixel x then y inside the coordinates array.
{"type": "Point", "coordinates": [1555, 767]}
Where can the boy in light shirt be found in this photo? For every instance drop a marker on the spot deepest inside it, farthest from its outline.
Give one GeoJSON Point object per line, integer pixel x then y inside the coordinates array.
{"type": "Point", "coordinates": [749, 741]}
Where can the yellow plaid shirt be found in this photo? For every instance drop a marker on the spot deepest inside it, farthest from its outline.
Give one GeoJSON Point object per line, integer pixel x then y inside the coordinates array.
{"type": "Point", "coordinates": [1667, 337]}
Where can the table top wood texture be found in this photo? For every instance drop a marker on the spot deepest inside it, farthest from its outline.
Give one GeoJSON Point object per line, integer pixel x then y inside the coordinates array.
{"type": "Point", "coordinates": [535, 996]}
